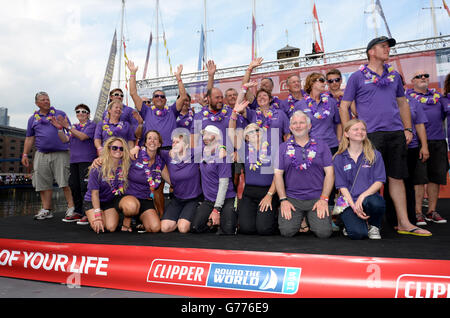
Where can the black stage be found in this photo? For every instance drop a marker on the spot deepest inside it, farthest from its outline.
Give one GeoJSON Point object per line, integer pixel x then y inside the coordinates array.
{"type": "Point", "coordinates": [391, 245]}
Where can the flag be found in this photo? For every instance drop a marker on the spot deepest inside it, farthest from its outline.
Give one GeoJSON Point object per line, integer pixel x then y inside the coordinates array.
{"type": "Point", "coordinates": [148, 55]}
{"type": "Point", "coordinates": [167, 52]}
{"type": "Point", "coordinates": [320, 32]}
{"type": "Point", "coordinates": [253, 38]}
{"type": "Point", "coordinates": [201, 55]}
{"type": "Point", "coordinates": [126, 68]}
{"type": "Point", "coordinates": [106, 85]}
{"type": "Point", "coordinates": [446, 7]}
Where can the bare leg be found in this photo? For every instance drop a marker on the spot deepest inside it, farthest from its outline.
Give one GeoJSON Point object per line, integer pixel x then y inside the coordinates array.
{"type": "Point", "coordinates": [46, 199]}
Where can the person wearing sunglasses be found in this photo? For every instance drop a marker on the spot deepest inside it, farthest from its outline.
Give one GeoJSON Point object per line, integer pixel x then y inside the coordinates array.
{"type": "Point", "coordinates": [334, 81]}
{"type": "Point", "coordinates": [80, 137]}
{"type": "Point", "coordinates": [432, 172]}
{"type": "Point", "coordinates": [106, 186]}
{"type": "Point", "coordinates": [158, 115]}
{"type": "Point", "coordinates": [379, 96]}
{"type": "Point", "coordinates": [112, 125]}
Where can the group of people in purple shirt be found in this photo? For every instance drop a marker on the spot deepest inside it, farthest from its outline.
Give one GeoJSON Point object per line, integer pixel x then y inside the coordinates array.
{"type": "Point", "coordinates": [319, 159]}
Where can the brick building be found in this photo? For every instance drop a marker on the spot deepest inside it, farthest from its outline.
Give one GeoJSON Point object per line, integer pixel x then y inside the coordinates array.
{"type": "Point", "coordinates": [11, 148]}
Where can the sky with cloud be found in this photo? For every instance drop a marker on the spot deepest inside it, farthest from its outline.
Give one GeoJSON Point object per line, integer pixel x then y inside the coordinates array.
{"type": "Point", "coordinates": [62, 47]}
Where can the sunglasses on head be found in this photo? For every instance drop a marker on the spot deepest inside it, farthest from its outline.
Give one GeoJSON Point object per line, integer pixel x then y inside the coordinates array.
{"type": "Point", "coordinates": [421, 75]}
{"type": "Point", "coordinates": [117, 94]}
{"type": "Point", "coordinates": [81, 111]}
{"type": "Point", "coordinates": [115, 148]}
{"type": "Point", "coordinates": [160, 96]}
{"type": "Point", "coordinates": [336, 80]}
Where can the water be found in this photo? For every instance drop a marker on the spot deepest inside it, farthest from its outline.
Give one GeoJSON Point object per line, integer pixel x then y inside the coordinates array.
{"type": "Point", "coordinates": [15, 202]}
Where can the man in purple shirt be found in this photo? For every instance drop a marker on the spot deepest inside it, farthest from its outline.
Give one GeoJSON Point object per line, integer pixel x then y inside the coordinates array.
{"type": "Point", "coordinates": [52, 160]}
{"type": "Point", "coordinates": [433, 172]}
{"type": "Point", "coordinates": [304, 179]}
{"type": "Point", "coordinates": [294, 85]}
{"type": "Point", "coordinates": [377, 90]}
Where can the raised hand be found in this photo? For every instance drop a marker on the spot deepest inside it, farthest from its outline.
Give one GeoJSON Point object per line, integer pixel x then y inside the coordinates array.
{"type": "Point", "coordinates": [133, 68]}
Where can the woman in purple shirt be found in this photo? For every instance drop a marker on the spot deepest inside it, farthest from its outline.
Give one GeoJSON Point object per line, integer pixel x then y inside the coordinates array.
{"type": "Point", "coordinates": [360, 174]}
{"type": "Point", "coordinates": [82, 152]}
{"type": "Point", "coordinates": [113, 126]}
{"type": "Point", "coordinates": [184, 173]}
{"type": "Point", "coordinates": [106, 186]}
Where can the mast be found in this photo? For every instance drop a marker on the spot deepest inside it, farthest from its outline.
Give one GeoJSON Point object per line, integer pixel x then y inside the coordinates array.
{"type": "Point", "coordinates": [157, 38]}
{"type": "Point", "coordinates": [206, 31]}
{"type": "Point", "coordinates": [120, 44]}
{"type": "Point", "coordinates": [433, 18]}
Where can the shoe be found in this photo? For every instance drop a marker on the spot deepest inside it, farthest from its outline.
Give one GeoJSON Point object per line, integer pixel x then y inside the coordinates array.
{"type": "Point", "coordinates": [83, 221]}
{"type": "Point", "coordinates": [43, 214]}
{"type": "Point", "coordinates": [344, 231]}
{"type": "Point", "coordinates": [415, 231]}
{"type": "Point", "coordinates": [71, 216]}
{"type": "Point", "coordinates": [435, 217]}
{"type": "Point", "coordinates": [420, 219]}
{"type": "Point", "coordinates": [374, 233]}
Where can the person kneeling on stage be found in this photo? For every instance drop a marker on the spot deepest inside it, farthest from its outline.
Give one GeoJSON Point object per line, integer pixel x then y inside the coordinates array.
{"type": "Point", "coordinates": [106, 186]}
{"type": "Point", "coordinates": [144, 179]}
{"type": "Point", "coordinates": [217, 185]}
{"type": "Point", "coordinates": [360, 174]}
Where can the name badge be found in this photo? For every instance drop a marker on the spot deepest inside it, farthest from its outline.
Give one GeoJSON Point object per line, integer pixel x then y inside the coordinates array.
{"type": "Point", "coordinates": [347, 167]}
{"type": "Point", "coordinates": [139, 165]}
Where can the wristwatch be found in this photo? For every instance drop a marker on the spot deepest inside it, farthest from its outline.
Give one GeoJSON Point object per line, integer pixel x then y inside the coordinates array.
{"type": "Point", "coordinates": [409, 129]}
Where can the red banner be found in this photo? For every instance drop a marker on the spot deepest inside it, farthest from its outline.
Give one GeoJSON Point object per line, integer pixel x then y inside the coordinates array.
{"type": "Point", "coordinates": [220, 273]}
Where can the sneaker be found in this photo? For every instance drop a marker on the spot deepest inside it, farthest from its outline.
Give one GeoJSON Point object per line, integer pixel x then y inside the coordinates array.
{"type": "Point", "coordinates": [83, 221]}
{"type": "Point", "coordinates": [43, 214]}
{"type": "Point", "coordinates": [435, 217]}
{"type": "Point", "coordinates": [344, 231]}
{"type": "Point", "coordinates": [420, 219]}
{"type": "Point", "coordinates": [71, 216]}
{"type": "Point", "coordinates": [374, 233]}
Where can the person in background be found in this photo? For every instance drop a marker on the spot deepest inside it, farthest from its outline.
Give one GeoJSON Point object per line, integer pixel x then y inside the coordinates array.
{"type": "Point", "coordinates": [334, 81]}
{"type": "Point", "coordinates": [432, 172]}
{"type": "Point", "coordinates": [294, 85]}
{"type": "Point", "coordinates": [360, 174]}
{"type": "Point", "coordinates": [80, 137]}
{"type": "Point", "coordinates": [106, 186]}
{"type": "Point", "coordinates": [304, 178]}
{"type": "Point", "coordinates": [52, 159]}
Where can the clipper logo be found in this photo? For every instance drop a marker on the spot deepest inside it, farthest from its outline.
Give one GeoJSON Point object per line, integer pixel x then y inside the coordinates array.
{"type": "Point", "coordinates": [269, 279]}
{"type": "Point", "coordinates": [422, 286]}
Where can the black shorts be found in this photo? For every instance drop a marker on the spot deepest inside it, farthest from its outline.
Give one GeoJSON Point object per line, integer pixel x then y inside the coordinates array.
{"type": "Point", "coordinates": [146, 204]}
{"type": "Point", "coordinates": [435, 168]}
{"type": "Point", "coordinates": [181, 209]}
{"type": "Point", "coordinates": [113, 204]}
{"type": "Point", "coordinates": [393, 149]}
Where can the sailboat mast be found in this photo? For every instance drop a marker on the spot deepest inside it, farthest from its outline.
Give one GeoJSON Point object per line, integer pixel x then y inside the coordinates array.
{"type": "Point", "coordinates": [206, 31]}
{"type": "Point", "coordinates": [433, 18]}
{"type": "Point", "coordinates": [157, 38]}
{"type": "Point", "coordinates": [120, 44]}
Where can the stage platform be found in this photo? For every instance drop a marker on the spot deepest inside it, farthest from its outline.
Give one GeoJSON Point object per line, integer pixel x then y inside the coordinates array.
{"type": "Point", "coordinates": [212, 265]}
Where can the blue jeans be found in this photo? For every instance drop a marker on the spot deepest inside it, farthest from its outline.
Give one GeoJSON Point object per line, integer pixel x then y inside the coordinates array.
{"type": "Point", "coordinates": [374, 206]}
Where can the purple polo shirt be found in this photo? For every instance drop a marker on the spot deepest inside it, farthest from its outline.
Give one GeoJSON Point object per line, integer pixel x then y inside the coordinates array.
{"type": "Point", "coordinates": [259, 176]}
{"type": "Point", "coordinates": [322, 128]}
{"type": "Point", "coordinates": [97, 182]}
{"type": "Point", "coordinates": [46, 135]}
{"type": "Point", "coordinates": [377, 106]}
{"type": "Point", "coordinates": [436, 114]}
{"type": "Point", "coordinates": [304, 184]}
{"type": "Point", "coordinates": [127, 115]}
{"type": "Point", "coordinates": [210, 175]}
{"type": "Point", "coordinates": [288, 105]}
{"type": "Point", "coordinates": [163, 124]}
{"type": "Point", "coordinates": [184, 176]}
{"type": "Point", "coordinates": [138, 185]}
{"type": "Point", "coordinates": [126, 132]}
{"type": "Point", "coordinates": [83, 150]}
{"type": "Point", "coordinates": [345, 170]}
{"type": "Point", "coordinates": [279, 121]}
{"type": "Point", "coordinates": [418, 116]}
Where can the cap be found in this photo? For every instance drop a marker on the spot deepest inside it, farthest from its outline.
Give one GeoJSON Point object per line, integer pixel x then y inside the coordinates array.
{"type": "Point", "coordinates": [381, 39]}
{"type": "Point", "coordinates": [212, 129]}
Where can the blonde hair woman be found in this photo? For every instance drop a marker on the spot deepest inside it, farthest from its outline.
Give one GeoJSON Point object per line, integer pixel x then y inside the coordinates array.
{"type": "Point", "coordinates": [107, 185]}
{"type": "Point", "coordinates": [360, 174]}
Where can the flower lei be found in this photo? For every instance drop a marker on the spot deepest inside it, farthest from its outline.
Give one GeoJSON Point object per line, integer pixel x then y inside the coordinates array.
{"type": "Point", "coordinates": [256, 162]}
{"type": "Point", "coordinates": [153, 175]}
{"type": "Point", "coordinates": [187, 122]}
{"type": "Point", "coordinates": [106, 127]}
{"type": "Point", "coordinates": [79, 127]}
{"type": "Point", "coordinates": [311, 152]}
{"type": "Point", "coordinates": [119, 189]}
{"type": "Point", "coordinates": [430, 100]}
{"type": "Point", "coordinates": [263, 121]}
{"type": "Point", "coordinates": [45, 119]}
{"type": "Point", "coordinates": [314, 107]}
{"type": "Point", "coordinates": [214, 117]}
{"type": "Point", "coordinates": [160, 112]}
{"type": "Point", "coordinates": [377, 80]}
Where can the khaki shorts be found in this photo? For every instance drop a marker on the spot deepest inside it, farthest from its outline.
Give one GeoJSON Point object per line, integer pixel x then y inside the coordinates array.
{"type": "Point", "coordinates": [49, 168]}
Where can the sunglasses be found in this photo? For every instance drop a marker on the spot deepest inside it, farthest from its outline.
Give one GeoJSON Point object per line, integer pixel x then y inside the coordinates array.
{"type": "Point", "coordinates": [148, 102]}
{"type": "Point", "coordinates": [421, 75]}
{"type": "Point", "coordinates": [117, 94]}
{"type": "Point", "coordinates": [160, 96]}
{"type": "Point", "coordinates": [322, 80]}
{"type": "Point", "coordinates": [81, 111]}
{"type": "Point", "coordinates": [336, 80]}
{"type": "Point", "coordinates": [115, 148]}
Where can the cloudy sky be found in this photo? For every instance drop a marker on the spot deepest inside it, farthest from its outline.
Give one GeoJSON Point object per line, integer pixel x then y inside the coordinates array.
{"type": "Point", "coordinates": [62, 47]}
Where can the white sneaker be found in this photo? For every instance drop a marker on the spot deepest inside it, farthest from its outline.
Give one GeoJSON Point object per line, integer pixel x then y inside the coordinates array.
{"type": "Point", "coordinates": [43, 214]}
{"type": "Point", "coordinates": [374, 233]}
